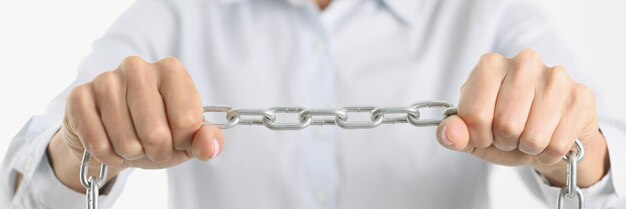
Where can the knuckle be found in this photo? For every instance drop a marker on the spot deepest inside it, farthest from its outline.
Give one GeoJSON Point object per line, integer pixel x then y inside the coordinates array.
{"type": "Point", "coordinates": [182, 144]}
{"type": "Point", "coordinates": [188, 121]}
{"type": "Point", "coordinates": [504, 145]}
{"type": "Point", "coordinates": [170, 64]}
{"type": "Point", "coordinates": [527, 54]}
{"type": "Point", "coordinates": [158, 146]}
{"type": "Point", "coordinates": [77, 105]}
{"type": "Point", "coordinates": [99, 150]}
{"type": "Point", "coordinates": [79, 93]}
{"type": "Point", "coordinates": [532, 144]}
{"type": "Point", "coordinates": [507, 129]}
{"type": "Point", "coordinates": [477, 120]}
{"type": "Point", "coordinates": [78, 99]}
{"type": "Point", "coordinates": [107, 77]}
{"type": "Point", "coordinates": [135, 67]}
{"type": "Point", "coordinates": [584, 93]}
{"type": "Point", "coordinates": [133, 62]}
{"type": "Point", "coordinates": [553, 153]}
{"type": "Point", "coordinates": [558, 71]}
{"type": "Point", "coordinates": [481, 143]}
{"type": "Point", "coordinates": [526, 59]}
{"type": "Point", "coordinates": [160, 157]}
{"type": "Point", "coordinates": [557, 76]}
{"type": "Point", "coordinates": [582, 96]}
{"type": "Point", "coordinates": [155, 136]}
{"type": "Point", "coordinates": [556, 151]}
{"type": "Point", "coordinates": [105, 81]}
{"type": "Point", "coordinates": [129, 149]}
{"type": "Point", "coordinates": [492, 60]}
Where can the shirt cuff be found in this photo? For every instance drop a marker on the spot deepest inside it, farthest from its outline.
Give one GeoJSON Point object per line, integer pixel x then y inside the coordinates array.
{"type": "Point", "coordinates": [607, 192]}
{"type": "Point", "coordinates": [599, 195]}
{"type": "Point", "coordinates": [40, 188]}
{"type": "Point", "coordinates": [616, 141]}
{"type": "Point", "coordinates": [44, 183]}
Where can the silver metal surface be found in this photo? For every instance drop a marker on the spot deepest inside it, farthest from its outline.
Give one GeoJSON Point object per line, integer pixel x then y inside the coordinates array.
{"type": "Point", "coordinates": [93, 193]}
{"type": "Point", "coordinates": [572, 175]}
{"type": "Point", "coordinates": [580, 151]}
{"type": "Point", "coordinates": [580, 198]}
{"type": "Point", "coordinates": [84, 172]}
{"type": "Point", "coordinates": [571, 189]}
{"type": "Point", "coordinates": [91, 184]}
{"type": "Point", "coordinates": [287, 126]}
{"type": "Point", "coordinates": [344, 123]}
{"type": "Point", "coordinates": [447, 110]}
{"type": "Point", "coordinates": [319, 117]}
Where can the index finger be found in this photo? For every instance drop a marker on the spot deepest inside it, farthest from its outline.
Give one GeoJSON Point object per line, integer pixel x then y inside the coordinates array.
{"type": "Point", "coordinates": [182, 102]}
{"type": "Point", "coordinates": [478, 98]}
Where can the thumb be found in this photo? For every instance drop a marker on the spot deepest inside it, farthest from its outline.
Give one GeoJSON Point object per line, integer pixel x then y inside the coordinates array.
{"type": "Point", "coordinates": [453, 134]}
{"type": "Point", "coordinates": [207, 143]}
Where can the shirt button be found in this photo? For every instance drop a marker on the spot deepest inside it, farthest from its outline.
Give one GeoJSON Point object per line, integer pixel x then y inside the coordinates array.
{"type": "Point", "coordinates": [321, 197]}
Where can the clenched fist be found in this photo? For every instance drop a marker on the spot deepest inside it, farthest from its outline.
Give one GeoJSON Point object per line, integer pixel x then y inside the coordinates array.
{"type": "Point", "coordinates": [518, 111]}
{"type": "Point", "coordinates": [139, 115]}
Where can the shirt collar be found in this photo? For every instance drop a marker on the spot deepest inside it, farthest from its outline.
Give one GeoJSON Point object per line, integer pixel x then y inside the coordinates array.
{"type": "Point", "coordinates": [404, 10]}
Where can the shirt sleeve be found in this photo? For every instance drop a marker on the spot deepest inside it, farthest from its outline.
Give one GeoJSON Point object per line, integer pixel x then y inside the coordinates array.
{"type": "Point", "coordinates": [609, 191]}
{"type": "Point", "coordinates": [523, 25]}
{"type": "Point", "coordinates": [147, 29]}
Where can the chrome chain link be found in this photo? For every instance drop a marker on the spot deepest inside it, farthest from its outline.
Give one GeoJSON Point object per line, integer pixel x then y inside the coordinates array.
{"type": "Point", "coordinates": [91, 184]}
{"type": "Point", "coordinates": [319, 117]}
{"type": "Point", "coordinates": [325, 116]}
{"type": "Point", "coordinates": [571, 189]}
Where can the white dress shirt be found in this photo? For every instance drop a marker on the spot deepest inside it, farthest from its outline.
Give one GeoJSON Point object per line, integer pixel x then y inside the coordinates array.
{"type": "Point", "coordinates": [264, 53]}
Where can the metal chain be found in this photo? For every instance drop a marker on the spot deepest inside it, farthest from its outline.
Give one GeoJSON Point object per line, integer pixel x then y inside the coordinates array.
{"type": "Point", "coordinates": [319, 117]}
{"type": "Point", "coordinates": [91, 184]}
{"type": "Point", "coordinates": [571, 189]}
{"type": "Point", "coordinates": [324, 116]}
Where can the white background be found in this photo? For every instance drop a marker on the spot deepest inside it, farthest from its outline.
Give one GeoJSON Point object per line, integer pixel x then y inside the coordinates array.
{"type": "Point", "coordinates": [41, 43]}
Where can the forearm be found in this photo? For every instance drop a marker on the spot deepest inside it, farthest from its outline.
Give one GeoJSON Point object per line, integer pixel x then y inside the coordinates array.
{"type": "Point", "coordinates": [66, 164]}
{"type": "Point", "coordinates": [591, 169]}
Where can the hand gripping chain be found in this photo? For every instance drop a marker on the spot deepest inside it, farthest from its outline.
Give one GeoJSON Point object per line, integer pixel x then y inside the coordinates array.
{"type": "Point", "coordinates": [339, 117]}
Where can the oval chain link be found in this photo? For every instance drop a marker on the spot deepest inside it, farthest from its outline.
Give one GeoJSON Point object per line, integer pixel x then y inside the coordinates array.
{"type": "Point", "coordinates": [319, 117]}
{"type": "Point", "coordinates": [344, 123]}
{"type": "Point", "coordinates": [571, 189]}
{"type": "Point", "coordinates": [90, 183]}
{"type": "Point", "coordinates": [286, 126]}
{"type": "Point", "coordinates": [447, 110]}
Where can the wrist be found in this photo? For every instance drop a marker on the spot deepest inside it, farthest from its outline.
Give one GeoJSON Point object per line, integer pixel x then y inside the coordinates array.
{"type": "Point", "coordinates": [65, 163]}
{"type": "Point", "coordinates": [591, 169]}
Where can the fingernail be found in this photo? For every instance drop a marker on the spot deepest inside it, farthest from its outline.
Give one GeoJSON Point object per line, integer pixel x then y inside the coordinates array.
{"type": "Point", "coordinates": [216, 148]}
{"type": "Point", "coordinates": [444, 136]}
